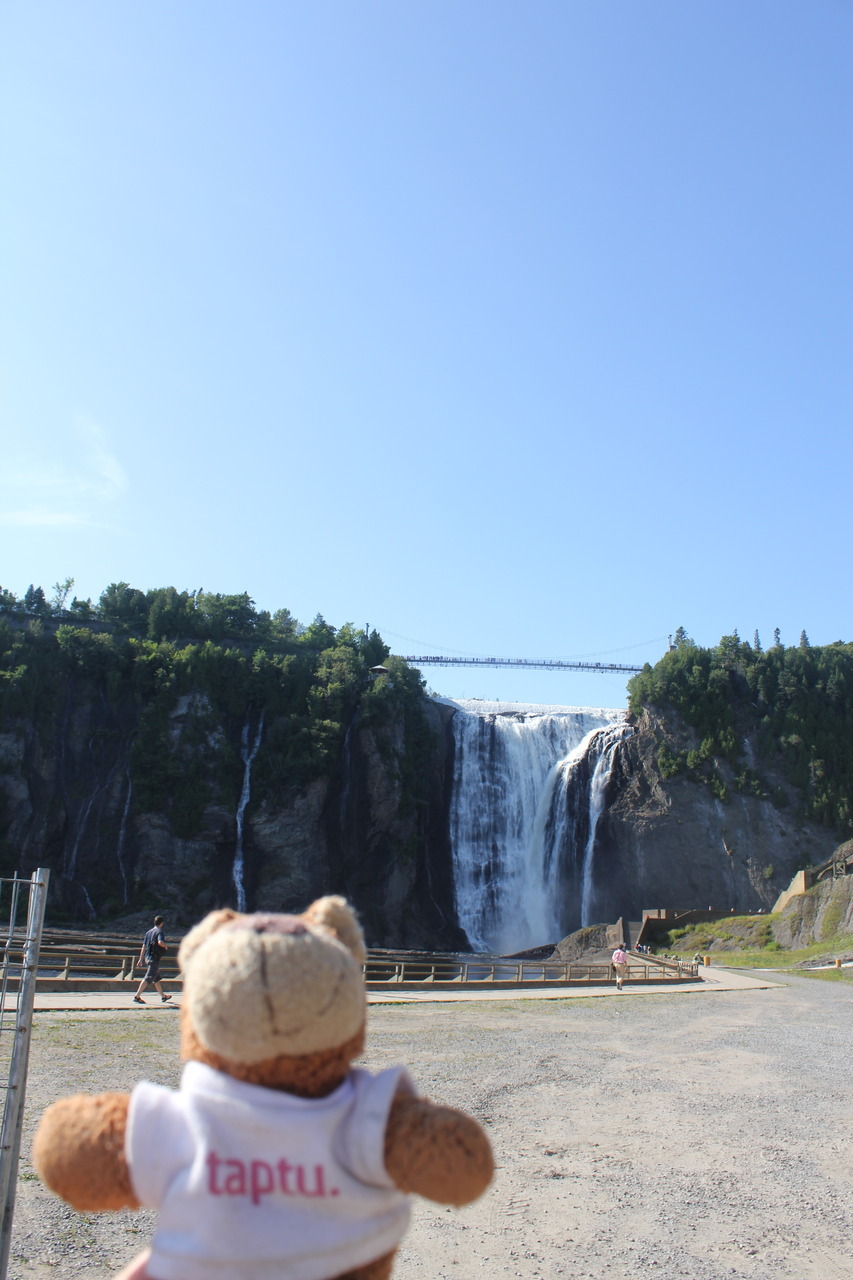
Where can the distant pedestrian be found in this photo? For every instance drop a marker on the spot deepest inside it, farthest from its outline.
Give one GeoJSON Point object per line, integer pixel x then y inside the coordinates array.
{"type": "Point", "coordinates": [153, 947]}
{"type": "Point", "coordinates": [619, 960]}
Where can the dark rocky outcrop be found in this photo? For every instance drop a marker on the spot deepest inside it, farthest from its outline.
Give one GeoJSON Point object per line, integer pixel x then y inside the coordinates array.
{"type": "Point", "coordinates": [584, 942]}
{"type": "Point", "coordinates": [673, 843]}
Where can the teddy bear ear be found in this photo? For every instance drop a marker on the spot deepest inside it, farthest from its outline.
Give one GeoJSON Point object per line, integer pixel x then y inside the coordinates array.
{"type": "Point", "coordinates": [201, 932]}
{"type": "Point", "coordinates": [336, 916]}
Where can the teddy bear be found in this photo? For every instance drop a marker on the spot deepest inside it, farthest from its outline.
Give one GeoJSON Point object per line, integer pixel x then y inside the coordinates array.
{"type": "Point", "coordinates": [276, 1159]}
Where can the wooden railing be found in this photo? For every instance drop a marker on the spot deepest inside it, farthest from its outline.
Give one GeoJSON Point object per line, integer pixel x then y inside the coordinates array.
{"type": "Point", "coordinates": [498, 972]}
{"type": "Point", "coordinates": [87, 967]}
{"type": "Point", "coordinates": [101, 965]}
{"type": "Point", "coordinates": [91, 962]}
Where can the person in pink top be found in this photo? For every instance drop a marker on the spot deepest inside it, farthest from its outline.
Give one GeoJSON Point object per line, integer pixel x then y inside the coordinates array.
{"type": "Point", "coordinates": [619, 960]}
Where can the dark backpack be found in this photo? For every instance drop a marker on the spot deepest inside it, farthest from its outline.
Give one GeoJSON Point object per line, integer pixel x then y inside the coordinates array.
{"type": "Point", "coordinates": [152, 946]}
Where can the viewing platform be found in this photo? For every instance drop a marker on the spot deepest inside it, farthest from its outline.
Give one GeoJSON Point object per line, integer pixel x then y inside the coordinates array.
{"type": "Point", "coordinates": [72, 962]}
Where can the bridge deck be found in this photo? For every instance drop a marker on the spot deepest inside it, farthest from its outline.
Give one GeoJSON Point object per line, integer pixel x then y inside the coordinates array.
{"type": "Point", "coordinates": [533, 664]}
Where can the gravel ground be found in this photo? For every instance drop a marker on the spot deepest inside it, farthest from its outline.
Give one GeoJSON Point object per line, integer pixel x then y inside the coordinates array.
{"type": "Point", "coordinates": [704, 1136]}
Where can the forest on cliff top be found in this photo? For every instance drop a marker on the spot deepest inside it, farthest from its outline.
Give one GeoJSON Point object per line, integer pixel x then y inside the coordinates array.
{"type": "Point", "coordinates": [787, 707]}
{"type": "Point", "coordinates": [140, 652]}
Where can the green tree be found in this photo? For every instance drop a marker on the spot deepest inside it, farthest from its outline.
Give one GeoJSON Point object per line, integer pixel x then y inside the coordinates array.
{"type": "Point", "coordinates": [284, 625]}
{"type": "Point", "coordinates": [795, 705]}
{"type": "Point", "coordinates": [61, 592]}
{"type": "Point", "coordinates": [82, 609]}
{"type": "Point", "coordinates": [124, 607]}
{"type": "Point", "coordinates": [225, 617]}
{"type": "Point", "coordinates": [320, 635]}
{"type": "Point", "coordinates": [35, 602]}
{"type": "Point", "coordinates": [171, 614]}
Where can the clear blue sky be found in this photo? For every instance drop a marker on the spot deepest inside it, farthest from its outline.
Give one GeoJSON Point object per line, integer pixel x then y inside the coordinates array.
{"type": "Point", "coordinates": [514, 329]}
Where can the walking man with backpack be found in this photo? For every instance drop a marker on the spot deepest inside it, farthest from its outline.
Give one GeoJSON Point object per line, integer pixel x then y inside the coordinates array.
{"type": "Point", "coordinates": [153, 947]}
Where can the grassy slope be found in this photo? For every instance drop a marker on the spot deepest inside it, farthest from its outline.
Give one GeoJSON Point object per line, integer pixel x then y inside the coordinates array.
{"type": "Point", "coordinates": [747, 942]}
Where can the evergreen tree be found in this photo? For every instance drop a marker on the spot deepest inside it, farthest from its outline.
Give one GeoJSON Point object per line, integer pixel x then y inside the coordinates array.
{"type": "Point", "coordinates": [804, 641]}
{"type": "Point", "coordinates": [35, 602]}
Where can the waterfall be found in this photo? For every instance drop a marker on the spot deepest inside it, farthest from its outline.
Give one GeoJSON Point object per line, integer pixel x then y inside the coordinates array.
{"type": "Point", "coordinates": [69, 856]}
{"type": "Point", "coordinates": [528, 791]}
{"type": "Point", "coordinates": [602, 750]}
{"type": "Point", "coordinates": [247, 755]}
{"type": "Point", "coordinates": [122, 835]}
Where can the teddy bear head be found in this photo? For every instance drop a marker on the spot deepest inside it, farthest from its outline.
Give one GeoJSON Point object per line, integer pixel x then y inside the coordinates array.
{"type": "Point", "coordinates": [277, 1000]}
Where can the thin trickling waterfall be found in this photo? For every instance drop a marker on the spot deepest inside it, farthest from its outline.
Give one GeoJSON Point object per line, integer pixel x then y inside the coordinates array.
{"type": "Point", "coordinates": [69, 861]}
{"type": "Point", "coordinates": [528, 790]}
{"type": "Point", "coordinates": [70, 858]}
{"type": "Point", "coordinates": [247, 755]}
{"type": "Point", "coordinates": [122, 836]}
{"type": "Point", "coordinates": [346, 773]}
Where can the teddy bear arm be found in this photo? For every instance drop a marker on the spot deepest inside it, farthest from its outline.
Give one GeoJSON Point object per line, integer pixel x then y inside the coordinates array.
{"type": "Point", "coordinates": [436, 1152]}
{"type": "Point", "coordinates": [79, 1151]}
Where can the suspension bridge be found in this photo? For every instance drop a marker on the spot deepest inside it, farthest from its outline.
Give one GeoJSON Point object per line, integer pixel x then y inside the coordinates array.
{"type": "Point", "coordinates": [529, 664]}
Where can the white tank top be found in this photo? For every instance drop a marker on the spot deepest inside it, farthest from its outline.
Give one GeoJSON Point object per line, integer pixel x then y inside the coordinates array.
{"type": "Point", "coordinates": [262, 1185]}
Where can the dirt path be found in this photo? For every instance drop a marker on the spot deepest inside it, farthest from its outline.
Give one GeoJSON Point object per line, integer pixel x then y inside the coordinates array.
{"type": "Point", "coordinates": [707, 1137]}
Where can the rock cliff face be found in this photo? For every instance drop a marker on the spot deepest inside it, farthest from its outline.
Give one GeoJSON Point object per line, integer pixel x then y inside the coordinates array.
{"type": "Point", "coordinates": [671, 842]}
{"type": "Point", "coordinates": [583, 942]}
{"type": "Point", "coordinates": [373, 827]}
{"type": "Point", "coordinates": [70, 800]}
{"type": "Point", "coordinates": [824, 912]}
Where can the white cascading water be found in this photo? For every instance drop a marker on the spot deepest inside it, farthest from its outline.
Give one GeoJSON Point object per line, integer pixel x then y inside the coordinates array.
{"type": "Point", "coordinates": [528, 790]}
{"type": "Point", "coordinates": [602, 750]}
{"type": "Point", "coordinates": [247, 755]}
{"type": "Point", "coordinates": [69, 860]}
{"type": "Point", "coordinates": [122, 836]}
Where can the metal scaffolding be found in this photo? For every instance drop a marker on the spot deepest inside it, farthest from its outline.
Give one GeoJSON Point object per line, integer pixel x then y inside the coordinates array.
{"type": "Point", "coordinates": [19, 962]}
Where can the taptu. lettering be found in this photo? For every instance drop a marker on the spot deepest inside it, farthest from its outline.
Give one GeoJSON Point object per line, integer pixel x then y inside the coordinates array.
{"type": "Point", "coordinates": [259, 1178]}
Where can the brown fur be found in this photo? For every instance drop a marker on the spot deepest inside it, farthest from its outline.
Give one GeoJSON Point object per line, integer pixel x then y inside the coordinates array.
{"type": "Point", "coordinates": [310, 1075]}
{"type": "Point", "coordinates": [79, 1151]}
{"type": "Point", "coordinates": [437, 1152]}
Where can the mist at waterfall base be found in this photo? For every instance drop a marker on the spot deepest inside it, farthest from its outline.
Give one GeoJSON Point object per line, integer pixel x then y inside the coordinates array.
{"type": "Point", "coordinates": [529, 787]}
